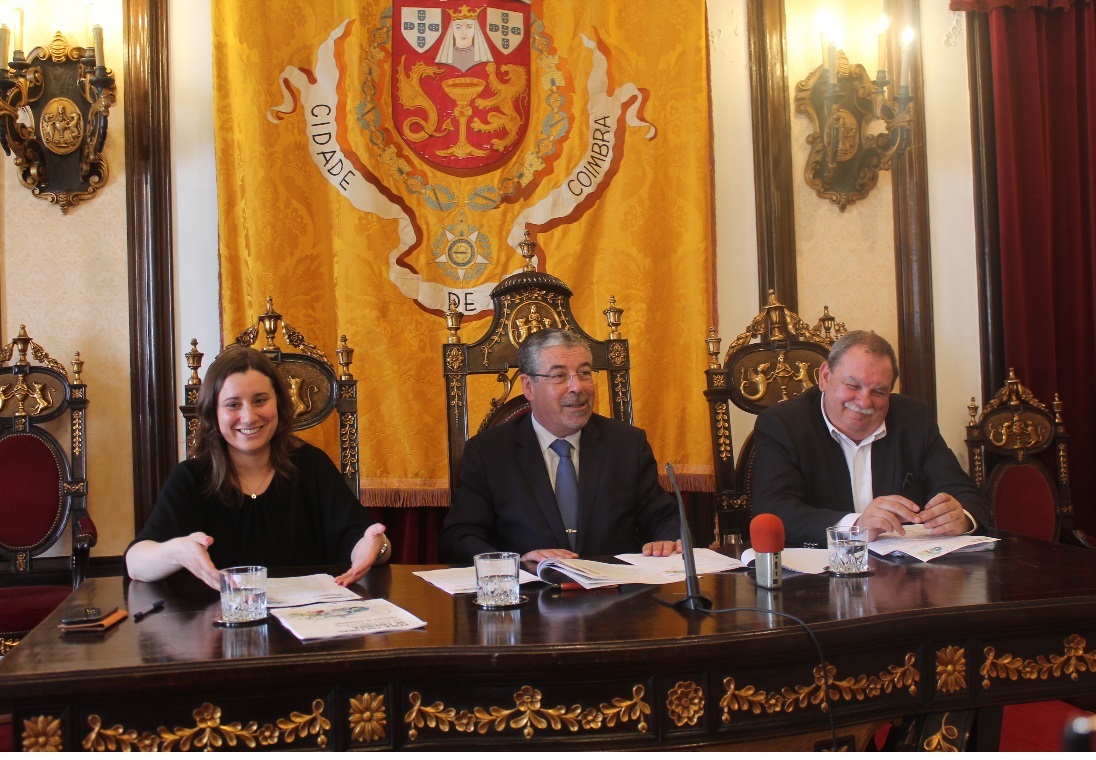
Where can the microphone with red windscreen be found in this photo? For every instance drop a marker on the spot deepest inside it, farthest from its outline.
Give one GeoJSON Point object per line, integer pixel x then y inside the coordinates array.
{"type": "Point", "coordinates": [767, 541]}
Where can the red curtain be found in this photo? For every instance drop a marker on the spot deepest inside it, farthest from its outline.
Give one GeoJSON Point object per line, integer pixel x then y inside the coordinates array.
{"type": "Point", "coordinates": [1044, 86]}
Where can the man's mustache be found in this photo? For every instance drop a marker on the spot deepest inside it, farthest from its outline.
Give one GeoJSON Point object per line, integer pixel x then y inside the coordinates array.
{"type": "Point", "coordinates": [852, 407]}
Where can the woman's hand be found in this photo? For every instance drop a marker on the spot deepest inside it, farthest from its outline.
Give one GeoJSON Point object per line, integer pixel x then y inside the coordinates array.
{"type": "Point", "coordinates": [367, 552]}
{"type": "Point", "coordinates": [153, 560]}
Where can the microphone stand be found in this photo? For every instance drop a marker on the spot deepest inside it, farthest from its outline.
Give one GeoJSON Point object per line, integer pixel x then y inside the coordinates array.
{"type": "Point", "coordinates": [693, 600]}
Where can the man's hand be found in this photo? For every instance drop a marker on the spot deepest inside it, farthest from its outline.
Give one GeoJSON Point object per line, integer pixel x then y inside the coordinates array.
{"type": "Point", "coordinates": [542, 554]}
{"type": "Point", "coordinates": [192, 553]}
{"type": "Point", "coordinates": [662, 548]}
{"type": "Point", "coordinates": [888, 513]}
{"type": "Point", "coordinates": [944, 516]}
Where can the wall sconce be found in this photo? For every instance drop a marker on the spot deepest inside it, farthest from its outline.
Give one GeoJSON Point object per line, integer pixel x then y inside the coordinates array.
{"type": "Point", "coordinates": [53, 115]}
{"type": "Point", "coordinates": [856, 130]}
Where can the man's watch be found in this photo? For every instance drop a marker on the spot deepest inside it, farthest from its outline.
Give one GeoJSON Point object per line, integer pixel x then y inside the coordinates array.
{"type": "Point", "coordinates": [384, 548]}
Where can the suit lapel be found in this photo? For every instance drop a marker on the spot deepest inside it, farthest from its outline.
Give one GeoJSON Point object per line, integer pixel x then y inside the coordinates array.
{"type": "Point", "coordinates": [591, 462]}
{"type": "Point", "coordinates": [531, 465]}
{"type": "Point", "coordinates": [883, 475]}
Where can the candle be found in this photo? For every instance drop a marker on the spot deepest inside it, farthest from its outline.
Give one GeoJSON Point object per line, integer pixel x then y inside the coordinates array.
{"type": "Point", "coordinates": [97, 37]}
{"type": "Point", "coordinates": [5, 35]}
{"type": "Point", "coordinates": [884, 23]}
{"type": "Point", "coordinates": [904, 66]}
{"type": "Point", "coordinates": [18, 29]}
{"type": "Point", "coordinates": [833, 63]}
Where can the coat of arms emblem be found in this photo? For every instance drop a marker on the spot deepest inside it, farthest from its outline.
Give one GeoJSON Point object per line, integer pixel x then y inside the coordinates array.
{"type": "Point", "coordinates": [460, 80]}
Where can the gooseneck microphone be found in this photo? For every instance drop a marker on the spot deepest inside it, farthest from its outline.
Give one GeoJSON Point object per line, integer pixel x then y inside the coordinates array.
{"type": "Point", "coordinates": [693, 600]}
{"type": "Point", "coordinates": [767, 541]}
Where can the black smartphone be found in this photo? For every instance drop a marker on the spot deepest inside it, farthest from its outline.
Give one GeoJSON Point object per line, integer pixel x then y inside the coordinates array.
{"type": "Point", "coordinates": [88, 615]}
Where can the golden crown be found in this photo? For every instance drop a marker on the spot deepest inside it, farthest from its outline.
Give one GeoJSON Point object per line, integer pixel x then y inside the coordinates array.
{"type": "Point", "coordinates": [464, 12]}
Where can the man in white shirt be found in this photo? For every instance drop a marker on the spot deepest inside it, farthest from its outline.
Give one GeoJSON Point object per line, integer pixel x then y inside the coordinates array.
{"type": "Point", "coordinates": [850, 451]}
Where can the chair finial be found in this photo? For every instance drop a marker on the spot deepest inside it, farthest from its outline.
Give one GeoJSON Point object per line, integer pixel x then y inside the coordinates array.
{"type": "Point", "coordinates": [713, 342]}
{"type": "Point", "coordinates": [194, 361]}
{"type": "Point", "coordinates": [613, 316]}
{"type": "Point", "coordinates": [270, 320]}
{"type": "Point", "coordinates": [528, 249]}
{"type": "Point", "coordinates": [346, 358]}
{"type": "Point", "coordinates": [77, 368]}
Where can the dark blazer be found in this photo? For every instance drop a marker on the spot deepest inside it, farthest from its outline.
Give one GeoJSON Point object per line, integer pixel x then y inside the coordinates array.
{"type": "Point", "coordinates": [505, 501]}
{"type": "Point", "coordinates": [800, 474]}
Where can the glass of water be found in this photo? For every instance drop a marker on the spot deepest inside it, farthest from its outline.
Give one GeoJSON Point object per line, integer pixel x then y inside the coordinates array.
{"type": "Point", "coordinates": [848, 546]}
{"type": "Point", "coordinates": [497, 579]}
{"type": "Point", "coordinates": [243, 594]}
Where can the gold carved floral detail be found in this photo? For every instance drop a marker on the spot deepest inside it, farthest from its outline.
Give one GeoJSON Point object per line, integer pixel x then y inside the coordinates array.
{"type": "Point", "coordinates": [42, 734]}
{"type": "Point", "coordinates": [685, 703]}
{"type": "Point", "coordinates": [617, 354]}
{"type": "Point", "coordinates": [454, 358]}
{"type": "Point", "coordinates": [527, 715]}
{"type": "Point", "coordinates": [620, 389]}
{"type": "Point", "coordinates": [368, 718]}
{"type": "Point", "coordinates": [723, 430]}
{"type": "Point", "coordinates": [951, 669]}
{"type": "Point", "coordinates": [348, 435]}
{"type": "Point", "coordinates": [77, 432]}
{"type": "Point", "coordinates": [719, 380]}
{"type": "Point", "coordinates": [209, 733]}
{"type": "Point", "coordinates": [456, 395]}
{"type": "Point", "coordinates": [1075, 660]}
{"type": "Point", "coordinates": [938, 742]}
{"type": "Point", "coordinates": [826, 688]}
{"type": "Point", "coordinates": [348, 391]}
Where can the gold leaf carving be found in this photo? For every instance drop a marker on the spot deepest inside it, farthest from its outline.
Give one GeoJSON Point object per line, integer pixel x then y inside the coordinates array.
{"type": "Point", "coordinates": [826, 688]}
{"type": "Point", "coordinates": [951, 669]}
{"type": "Point", "coordinates": [937, 742]}
{"type": "Point", "coordinates": [209, 733]}
{"type": "Point", "coordinates": [42, 734]}
{"type": "Point", "coordinates": [368, 718]}
{"type": "Point", "coordinates": [1075, 661]}
{"type": "Point", "coordinates": [527, 715]}
{"type": "Point", "coordinates": [685, 703]}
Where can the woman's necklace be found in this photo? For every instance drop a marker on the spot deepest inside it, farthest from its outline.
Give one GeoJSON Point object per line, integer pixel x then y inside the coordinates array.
{"type": "Point", "coordinates": [259, 487]}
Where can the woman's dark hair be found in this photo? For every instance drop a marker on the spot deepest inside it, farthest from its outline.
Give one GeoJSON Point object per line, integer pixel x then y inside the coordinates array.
{"type": "Point", "coordinates": [210, 450]}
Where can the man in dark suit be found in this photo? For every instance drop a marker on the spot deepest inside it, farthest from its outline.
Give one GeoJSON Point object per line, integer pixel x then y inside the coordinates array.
{"type": "Point", "coordinates": [850, 451]}
{"type": "Point", "coordinates": [514, 494]}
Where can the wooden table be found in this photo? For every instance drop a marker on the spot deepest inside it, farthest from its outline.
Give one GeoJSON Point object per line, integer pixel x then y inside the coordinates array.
{"type": "Point", "coordinates": [592, 670]}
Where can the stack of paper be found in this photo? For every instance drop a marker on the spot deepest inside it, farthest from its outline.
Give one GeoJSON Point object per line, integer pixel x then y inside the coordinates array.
{"type": "Point", "coordinates": [920, 544]}
{"type": "Point", "coordinates": [328, 621]}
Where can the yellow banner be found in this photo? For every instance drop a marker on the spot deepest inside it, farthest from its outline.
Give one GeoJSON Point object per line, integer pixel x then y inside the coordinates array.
{"type": "Point", "coordinates": [378, 162]}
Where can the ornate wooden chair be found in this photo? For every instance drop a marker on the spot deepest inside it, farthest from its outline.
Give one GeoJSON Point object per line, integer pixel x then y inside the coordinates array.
{"type": "Point", "coordinates": [782, 363]}
{"type": "Point", "coordinates": [318, 391]}
{"type": "Point", "coordinates": [1014, 446]}
{"type": "Point", "coordinates": [525, 303]}
{"type": "Point", "coordinates": [44, 485]}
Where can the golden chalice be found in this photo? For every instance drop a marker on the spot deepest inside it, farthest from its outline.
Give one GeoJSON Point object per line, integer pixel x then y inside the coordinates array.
{"type": "Point", "coordinates": [462, 90]}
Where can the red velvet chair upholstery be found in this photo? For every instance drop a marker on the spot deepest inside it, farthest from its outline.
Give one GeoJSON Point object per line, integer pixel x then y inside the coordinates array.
{"type": "Point", "coordinates": [44, 485]}
{"type": "Point", "coordinates": [525, 302]}
{"type": "Point", "coordinates": [1018, 456]}
{"type": "Point", "coordinates": [782, 363]}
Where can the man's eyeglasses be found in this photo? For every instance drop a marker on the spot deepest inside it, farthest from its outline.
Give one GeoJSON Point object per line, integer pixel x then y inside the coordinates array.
{"type": "Point", "coordinates": [584, 376]}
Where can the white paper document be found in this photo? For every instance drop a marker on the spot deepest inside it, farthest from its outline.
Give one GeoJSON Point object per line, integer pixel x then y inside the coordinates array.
{"type": "Point", "coordinates": [306, 589]}
{"type": "Point", "coordinates": [640, 569]}
{"type": "Point", "coordinates": [461, 580]}
{"type": "Point", "coordinates": [706, 560]}
{"type": "Point", "coordinates": [812, 561]}
{"type": "Point", "coordinates": [920, 544]}
{"type": "Point", "coordinates": [340, 619]}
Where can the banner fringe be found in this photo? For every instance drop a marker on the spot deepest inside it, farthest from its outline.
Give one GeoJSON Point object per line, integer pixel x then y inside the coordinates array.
{"type": "Point", "coordinates": [405, 497]}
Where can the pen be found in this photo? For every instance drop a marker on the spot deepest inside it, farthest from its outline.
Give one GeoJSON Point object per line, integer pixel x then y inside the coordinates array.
{"type": "Point", "coordinates": [140, 615]}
